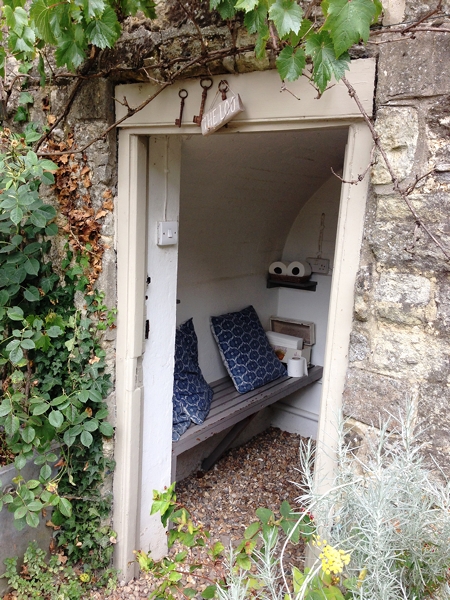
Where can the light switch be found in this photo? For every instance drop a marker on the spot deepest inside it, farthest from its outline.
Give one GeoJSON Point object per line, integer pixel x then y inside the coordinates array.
{"type": "Point", "coordinates": [167, 233]}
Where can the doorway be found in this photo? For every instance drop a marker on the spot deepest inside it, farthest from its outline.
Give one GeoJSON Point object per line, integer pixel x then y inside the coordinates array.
{"type": "Point", "coordinates": [235, 231]}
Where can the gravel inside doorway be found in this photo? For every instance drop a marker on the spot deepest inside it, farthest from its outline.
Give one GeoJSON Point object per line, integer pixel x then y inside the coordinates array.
{"type": "Point", "coordinates": [259, 473]}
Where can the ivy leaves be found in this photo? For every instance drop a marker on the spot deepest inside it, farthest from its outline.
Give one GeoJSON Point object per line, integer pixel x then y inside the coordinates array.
{"type": "Point", "coordinates": [71, 26]}
{"type": "Point", "coordinates": [298, 42]}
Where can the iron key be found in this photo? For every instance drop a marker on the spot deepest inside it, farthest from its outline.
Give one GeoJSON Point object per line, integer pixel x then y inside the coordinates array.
{"type": "Point", "coordinates": [206, 83]}
{"type": "Point", "coordinates": [183, 94]}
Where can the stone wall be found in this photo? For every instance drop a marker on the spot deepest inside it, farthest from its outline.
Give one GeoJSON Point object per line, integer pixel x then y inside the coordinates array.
{"type": "Point", "coordinates": [399, 347]}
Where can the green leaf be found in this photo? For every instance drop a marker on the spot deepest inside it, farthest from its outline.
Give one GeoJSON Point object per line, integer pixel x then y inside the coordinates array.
{"type": "Point", "coordinates": [71, 50]}
{"type": "Point", "coordinates": [290, 63]}
{"type": "Point", "coordinates": [106, 429]}
{"type": "Point", "coordinates": [247, 5]}
{"type": "Point", "coordinates": [15, 313]}
{"type": "Point", "coordinates": [31, 266]}
{"type": "Point", "coordinates": [86, 438]}
{"type": "Point", "coordinates": [27, 344]}
{"type": "Point", "coordinates": [28, 434]}
{"type": "Point", "coordinates": [93, 8]}
{"type": "Point", "coordinates": [65, 507]}
{"type": "Point", "coordinates": [287, 16]}
{"type": "Point", "coordinates": [5, 407]}
{"type": "Point", "coordinates": [16, 215]}
{"type": "Point", "coordinates": [252, 530]}
{"type": "Point", "coordinates": [20, 461]}
{"type": "Point", "coordinates": [209, 592]}
{"type": "Point", "coordinates": [39, 409]}
{"type": "Point", "coordinates": [16, 355]}
{"type": "Point", "coordinates": [264, 515]}
{"type": "Point", "coordinates": [189, 592]}
{"type": "Point", "coordinates": [11, 425]}
{"type": "Point", "coordinates": [54, 331]}
{"type": "Point", "coordinates": [226, 9]}
{"type": "Point", "coordinates": [35, 506]}
{"type": "Point", "coordinates": [320, 47]}
{"type": "Point", "coordinates": [105, 30]}
{"type": "Point", "coordinates": [47, 178]}
{"type": "Point", "coordinates": [91, 425]}
{"type": "Point", "coordinates": [56, 418]}
{"type": "Point", "coordinates": [48, 165]}
{"type": "Point", "coordinates": [51, 229]}
{"type": "Point", "coordinates": [261, 41]}
{"type": "Point", "coordinates": [32, 519]}
{"type": "Point", "coordinates": [4, 297]}
{"type": "Point", "coordinates": [20, 512]}
{"type": "Point", "coordinates": [348, 22]}
{"type": "Point", "coordinates": [40, 12]}
{"type": "Point", "coordinates": [25, 98]}
{"type": "Point", "coordinates": [32, 295]}
{"type": "Point", "coordinates": [256, 19]}
{"type": "Point", "coordinates": [45, 473]}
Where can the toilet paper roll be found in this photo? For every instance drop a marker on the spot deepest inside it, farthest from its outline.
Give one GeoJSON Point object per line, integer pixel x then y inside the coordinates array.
{"type": "Point", "coordinates": [278, 268]}
{"type": "Point", "coordinates": [298, 268]}
{"type": "Point", "coordinates": [297, 367]}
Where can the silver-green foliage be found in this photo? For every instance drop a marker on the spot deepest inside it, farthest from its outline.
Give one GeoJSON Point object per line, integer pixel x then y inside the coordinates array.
{"type": "Point", "coordinates": [391, 512]}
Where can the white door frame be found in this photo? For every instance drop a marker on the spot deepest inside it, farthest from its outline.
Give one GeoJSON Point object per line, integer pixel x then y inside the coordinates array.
{"type": "Point", "coordinates": [148, 190]}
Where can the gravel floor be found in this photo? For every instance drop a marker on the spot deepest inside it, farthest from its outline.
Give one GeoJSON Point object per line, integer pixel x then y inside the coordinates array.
{"type": "Point", "coordinates": [259, 473]}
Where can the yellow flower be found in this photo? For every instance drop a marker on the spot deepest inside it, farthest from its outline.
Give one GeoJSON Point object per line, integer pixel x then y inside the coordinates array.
{"type": "Point", "coordinates": [333, 560]}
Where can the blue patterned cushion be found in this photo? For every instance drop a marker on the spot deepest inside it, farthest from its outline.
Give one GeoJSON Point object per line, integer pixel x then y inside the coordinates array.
{"type": "Point", "coordinates": [245, 349]}
{"type": "Point", "coordinates": [191, 394]}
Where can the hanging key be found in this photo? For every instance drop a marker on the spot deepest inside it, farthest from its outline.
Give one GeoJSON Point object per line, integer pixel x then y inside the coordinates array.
{"type": "Point", "coordinates": [223, 88]}
{"type": "Point", "coordinates": [206, 83]}
{"type": "Point", "coordinates": [183, 94]}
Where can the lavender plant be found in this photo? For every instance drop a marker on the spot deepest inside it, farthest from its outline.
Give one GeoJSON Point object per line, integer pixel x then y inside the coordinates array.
{"type": "Point", "coordinates": [391, 511]}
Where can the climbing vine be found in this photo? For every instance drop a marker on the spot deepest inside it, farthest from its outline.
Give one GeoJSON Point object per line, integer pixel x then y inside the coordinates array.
{"type": "Point", "coordinates": [52, 364]}
{"type": "Point", "coordinates": [53, 370]}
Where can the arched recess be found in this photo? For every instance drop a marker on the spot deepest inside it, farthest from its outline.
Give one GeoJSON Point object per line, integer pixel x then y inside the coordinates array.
{"type": "Point", "coordinates": [148, 191]}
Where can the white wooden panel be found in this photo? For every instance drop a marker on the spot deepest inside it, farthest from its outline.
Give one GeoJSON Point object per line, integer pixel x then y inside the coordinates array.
{"type": "Point", "coordinates": [260, 94]}
{"type": "Point", "coordinates": [158, 359]}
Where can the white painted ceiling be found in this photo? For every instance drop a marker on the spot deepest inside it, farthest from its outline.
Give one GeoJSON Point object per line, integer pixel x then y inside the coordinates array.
{"type": "Point", "coordinates": [244, 191]}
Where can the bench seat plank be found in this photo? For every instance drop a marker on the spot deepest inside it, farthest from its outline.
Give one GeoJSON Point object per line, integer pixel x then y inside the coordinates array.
{"type": "Point", "coordinates": [228, 406]}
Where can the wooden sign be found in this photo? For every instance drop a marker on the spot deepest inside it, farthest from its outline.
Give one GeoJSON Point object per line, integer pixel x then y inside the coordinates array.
{"type": "Point", "coordinates": [221, 113]}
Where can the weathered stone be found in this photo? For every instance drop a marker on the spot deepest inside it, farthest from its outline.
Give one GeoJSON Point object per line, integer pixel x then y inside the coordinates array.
{"type": "Point", "coordinates": [443, 304]}
{"type": "Point", "coordinates": [434, 419]}
{"type": "Point", "coordinates": [413, 68]}
{"type": "Point", "coordinates": [403, 288]}
{"type": "Point", "coordinates": [359, 346]}
{"type": "Point", "coordinates": [398, 129]}
{"type": "Point", "coordinates": [94, 101]}
{"type": "Point", "coordinates": [397, 243]}
{"type": "Point", "coordinates": [369, 396]}
{"type": "Point", "coordinates": [411, 352]}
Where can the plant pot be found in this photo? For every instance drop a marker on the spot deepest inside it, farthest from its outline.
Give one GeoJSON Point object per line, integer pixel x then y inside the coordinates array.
{"type": "Point", "coordinates": [13, 542]}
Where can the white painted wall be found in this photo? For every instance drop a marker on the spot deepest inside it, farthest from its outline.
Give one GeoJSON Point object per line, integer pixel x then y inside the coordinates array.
{"type": "Point", "coordinates": [236, 220]}
{"type": "Point", "coordinates": [300, 412]}
{"type": "Point", "coordinates": [240, 195]}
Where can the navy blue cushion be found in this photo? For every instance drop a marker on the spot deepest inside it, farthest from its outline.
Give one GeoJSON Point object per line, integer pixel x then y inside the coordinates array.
{"type": "Point", "coordinates": [191, 394]}
{"type": "Point", "coordinates": [245, 349]}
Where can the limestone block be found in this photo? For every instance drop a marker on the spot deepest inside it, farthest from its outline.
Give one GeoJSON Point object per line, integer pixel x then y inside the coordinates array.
{"type": "Point", "coordinates": [398, 128]}
{"type": "Point", "coordinates": [397, 243]}
{"type": "Point", "coordinates": [410, 352]}
{"type": "Point", "coordinates": [370, 396]}
{"type": "Point", "coordinates": [414, 68]}
{"type": "Point", "coordinates": [359, 346]}
{"type": "Point", "coordinates": [403, 288]}
{"type": "Point", "coordinates": [94, 101]}
{"type": "Point", "coordinates": [443, 304]}
{"type": "Point", "coordinates": [434, 419]}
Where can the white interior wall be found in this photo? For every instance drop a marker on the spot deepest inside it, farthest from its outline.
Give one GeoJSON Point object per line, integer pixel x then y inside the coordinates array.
{"type": "Point", "coordinates": [299, 413]}
{"type": "Point", "coordinates": [247, 200]}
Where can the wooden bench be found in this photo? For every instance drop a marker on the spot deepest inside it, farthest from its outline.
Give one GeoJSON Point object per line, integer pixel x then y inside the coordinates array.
{"type": "Point", "coordinates": [229, 408]}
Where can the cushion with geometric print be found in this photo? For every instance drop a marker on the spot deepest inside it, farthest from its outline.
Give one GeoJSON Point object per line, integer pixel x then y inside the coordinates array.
{"type": "Point", "coordinates": [245, 349]}
{"type": "Point", "coordinates": [191, 394]}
